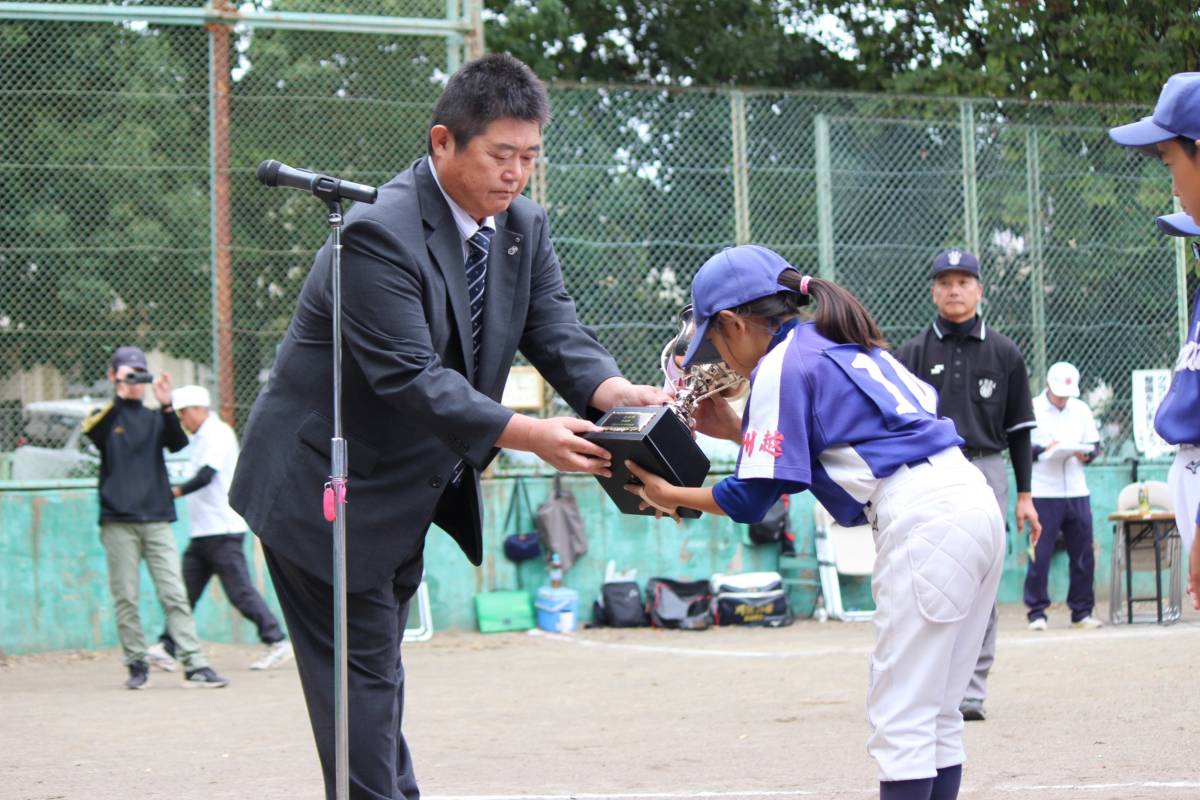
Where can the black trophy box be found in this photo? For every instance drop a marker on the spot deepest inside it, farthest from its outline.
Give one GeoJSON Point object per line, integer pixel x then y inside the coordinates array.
{"type": "Point", "coordinates": [654, 438]}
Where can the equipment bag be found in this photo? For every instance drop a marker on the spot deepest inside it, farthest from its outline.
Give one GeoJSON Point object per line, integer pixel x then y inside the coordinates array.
{"type": "Point", "coordinates": [774, 525]}
{"type": "Point", "coordinates": [520, 544]}
{"type": "Point", "coordinates": [750, 598]}
{"type": "Point", "coordinates": [678, 604]}
{"type": "Point", "coordinates": [620, 606]}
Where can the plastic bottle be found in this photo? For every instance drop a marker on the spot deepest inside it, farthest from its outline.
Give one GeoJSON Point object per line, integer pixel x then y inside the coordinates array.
{"type": "Point", "coordinates": [556, 571]}
{"type": "Point", "coordinates": [1144, 500]}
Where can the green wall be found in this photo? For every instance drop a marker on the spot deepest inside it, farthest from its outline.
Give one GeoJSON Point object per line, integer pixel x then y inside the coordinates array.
{"type": "Point", "coordinates": [53, 578]}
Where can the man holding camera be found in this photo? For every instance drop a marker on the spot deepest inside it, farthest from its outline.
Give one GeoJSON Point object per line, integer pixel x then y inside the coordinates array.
{"type": "Point", "coordinates": [136, 509]}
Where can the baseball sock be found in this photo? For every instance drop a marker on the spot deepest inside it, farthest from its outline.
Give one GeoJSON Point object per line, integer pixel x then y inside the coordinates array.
{"type": "Point", "coordinates": [945, 785]}
{"type": "Point", "coordinates": [906, 790]}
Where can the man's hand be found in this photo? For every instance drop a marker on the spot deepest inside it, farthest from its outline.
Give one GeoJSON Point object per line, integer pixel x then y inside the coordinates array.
{"type": "Point", "coordinates": [652, 492]}
{"type": "Point", "coordinates": [176, 491]}
{"type": "Point", "coordinates": [617, 391]}
{"type": "Point", "coordinates": [715, 417]}
{"type": "Point", "coordinates": [1194, 570]}
{"type": "Point", "coordinates": [556, 442]}
{"type": "Point", "coordinates": [1027, 513]}
{"type": "Point", "coordinates": [162, 388]}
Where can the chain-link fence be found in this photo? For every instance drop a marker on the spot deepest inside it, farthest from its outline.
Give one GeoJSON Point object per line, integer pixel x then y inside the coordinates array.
{"type": "Point", "coordinates": [115, 154]}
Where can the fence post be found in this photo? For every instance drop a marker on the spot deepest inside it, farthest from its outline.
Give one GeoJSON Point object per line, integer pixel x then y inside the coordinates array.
{"type": "Point", "coordinates": [476, 47]}
{"type": "Point", "coordinates": [454, 42]}
{"type": "Point", "coordinates": [1037, 288]}
{"type": "Point", "coordinates": [970, 195]}
{"type": "Point", "coordinates": [825, 264]}
{"type": "Point", "coordinates": [741, 170]}
{"type": "Point", "coordinates": [219, 224]}
{"type": "Point", "coordinates": [1181, 298]}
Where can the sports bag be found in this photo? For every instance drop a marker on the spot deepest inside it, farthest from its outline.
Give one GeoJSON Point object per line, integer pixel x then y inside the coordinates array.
{"type": "Point", "coordinates": [678, 604]}
{"type": "Point", "coordinates": [520, 544]}
{"type": "Point", "coordinates": [773, 527]}
{"type": "Point", "coordinates": [620, 606]}
{"type": "Point", "coordinates": [750, 598]}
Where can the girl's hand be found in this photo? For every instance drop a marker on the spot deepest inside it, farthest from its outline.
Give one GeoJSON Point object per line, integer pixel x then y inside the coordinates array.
{"type": "Point", "coordinates": [653, 492]}
{"type": "Point", "coordinates": [715, 417]}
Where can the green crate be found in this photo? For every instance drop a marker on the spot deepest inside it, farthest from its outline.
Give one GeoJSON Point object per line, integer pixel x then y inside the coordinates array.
{"type": "Point", "coordinates": [502, 611]}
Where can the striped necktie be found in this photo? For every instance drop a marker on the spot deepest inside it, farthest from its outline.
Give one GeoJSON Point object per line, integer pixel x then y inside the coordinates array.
{"type": "Point", "coordinates": [477, 255]}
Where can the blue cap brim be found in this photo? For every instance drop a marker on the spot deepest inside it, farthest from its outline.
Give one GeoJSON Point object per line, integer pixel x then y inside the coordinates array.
{"type": "Point", "coordinates": [700, 349]}
{"type": "Point", "coordinates": [1142, 133]}
{"type": "Point", "coordinates": [1180, 224]}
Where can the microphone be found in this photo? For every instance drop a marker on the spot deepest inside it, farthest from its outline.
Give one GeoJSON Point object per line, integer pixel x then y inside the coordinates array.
{"type": "Point", "coordinates": [273, 173]}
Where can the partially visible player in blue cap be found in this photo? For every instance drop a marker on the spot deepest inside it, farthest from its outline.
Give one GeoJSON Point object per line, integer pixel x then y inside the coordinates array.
{"type": "Point", "coordinates": [1172, 134]}
{"type": "Point", "coordinates": [831, 411]}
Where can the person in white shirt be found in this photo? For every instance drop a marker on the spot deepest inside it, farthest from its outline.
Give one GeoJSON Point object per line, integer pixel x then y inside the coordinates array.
{"type": "Point", "coordinates": [217, 532]}
{"type": "Point", "coordinates": [1065, 439]}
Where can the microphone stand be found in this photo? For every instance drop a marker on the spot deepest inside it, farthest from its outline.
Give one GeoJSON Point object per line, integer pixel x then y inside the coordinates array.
{"type": "Point", "coordinates": [335, 495]}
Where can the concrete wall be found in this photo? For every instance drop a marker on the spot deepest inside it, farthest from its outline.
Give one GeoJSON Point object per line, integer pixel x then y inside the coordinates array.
{"type": "Point", "coordinates": [53, 578]}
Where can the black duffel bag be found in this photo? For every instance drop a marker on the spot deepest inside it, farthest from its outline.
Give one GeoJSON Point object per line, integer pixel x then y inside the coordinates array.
{"type": "Point", "coordinates": [620, 606]}
{"type": "Point", "coordinates": [679, 604]}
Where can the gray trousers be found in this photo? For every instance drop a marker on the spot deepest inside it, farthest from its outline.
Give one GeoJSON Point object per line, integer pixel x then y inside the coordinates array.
{"type": "Point", "coordinates": [996, 474]}
{"type": "Point", "coordinates": [125, 545]}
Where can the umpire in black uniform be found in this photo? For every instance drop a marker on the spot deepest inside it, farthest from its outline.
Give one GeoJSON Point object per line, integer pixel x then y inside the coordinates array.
{"type": "Point", "coordinates": [983, 387]}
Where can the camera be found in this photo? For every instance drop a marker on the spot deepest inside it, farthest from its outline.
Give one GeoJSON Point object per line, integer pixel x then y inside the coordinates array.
{"type": "Point", "coordinates": [138, 377]}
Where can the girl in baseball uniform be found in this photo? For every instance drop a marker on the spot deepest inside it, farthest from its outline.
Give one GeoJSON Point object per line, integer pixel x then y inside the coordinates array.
{"type": "Point", "coordinates": [832, 412]}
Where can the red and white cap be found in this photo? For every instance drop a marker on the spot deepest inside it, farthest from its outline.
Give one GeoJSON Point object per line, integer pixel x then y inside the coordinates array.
{"type": "Point", "coordinates": [1062, 379]}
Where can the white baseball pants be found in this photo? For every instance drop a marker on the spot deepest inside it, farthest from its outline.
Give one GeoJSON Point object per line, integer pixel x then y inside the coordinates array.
{"type": "Point", "coordinates": [939, 542]}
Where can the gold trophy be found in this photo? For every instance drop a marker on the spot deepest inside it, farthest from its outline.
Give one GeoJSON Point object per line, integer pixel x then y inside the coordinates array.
{"type": "Point", "coordinates": [659, 438]}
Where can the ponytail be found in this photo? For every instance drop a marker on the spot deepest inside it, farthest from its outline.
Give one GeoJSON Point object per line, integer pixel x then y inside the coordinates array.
{"type": "Point", "coordinates": [840, 316]}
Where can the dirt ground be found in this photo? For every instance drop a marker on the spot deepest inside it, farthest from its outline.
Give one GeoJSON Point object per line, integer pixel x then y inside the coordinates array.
{"type": "Point", "coordinates": [621, 714]}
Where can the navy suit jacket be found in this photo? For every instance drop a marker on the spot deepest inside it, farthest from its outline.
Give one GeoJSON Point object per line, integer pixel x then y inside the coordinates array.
{"type": "Point", "coordinates": [413, 404]}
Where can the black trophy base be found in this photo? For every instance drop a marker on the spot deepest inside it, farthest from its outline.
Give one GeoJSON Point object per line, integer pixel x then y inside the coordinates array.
{"type": "Point", "coordinates": [655, 439]}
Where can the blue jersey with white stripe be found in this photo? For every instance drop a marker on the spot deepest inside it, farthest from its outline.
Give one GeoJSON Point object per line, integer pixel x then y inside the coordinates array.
{"type": "Point", "coordinates": [835, 418]}
{"type": "Point", "coordinates": [1178, 417]}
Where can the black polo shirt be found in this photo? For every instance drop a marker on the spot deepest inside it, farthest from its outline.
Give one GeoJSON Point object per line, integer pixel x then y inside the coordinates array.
{"type": "Point", "coordinates": [980, 377]}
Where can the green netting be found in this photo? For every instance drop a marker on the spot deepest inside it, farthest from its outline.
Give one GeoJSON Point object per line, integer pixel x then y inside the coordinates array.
{"type": "Point", "coordinates": [106, 231]}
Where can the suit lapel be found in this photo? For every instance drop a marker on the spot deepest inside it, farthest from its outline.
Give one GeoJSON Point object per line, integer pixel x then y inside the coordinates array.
{"type": "Point", "coordinates": [504, 262]}
{"type": "Point", "coordinates": [445, 248]}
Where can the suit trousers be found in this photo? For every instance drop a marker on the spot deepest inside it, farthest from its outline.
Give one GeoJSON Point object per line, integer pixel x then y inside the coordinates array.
{"type": "Point", "coordinates": [380, 764]}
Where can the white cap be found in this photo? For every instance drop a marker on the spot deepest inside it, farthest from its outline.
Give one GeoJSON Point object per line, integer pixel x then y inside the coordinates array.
{"type": "Point", "coordinates": [190, 396]}
{"type": "Point", "coordinates": [1062, 379]}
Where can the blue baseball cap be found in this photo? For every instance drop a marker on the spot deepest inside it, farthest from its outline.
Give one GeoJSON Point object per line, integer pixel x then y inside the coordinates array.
{"type": "Point", "coordinates": [1177, 113]}
{"type": "Point", "coordinates": [731, 278]}
{"type": "Point", "coordinates": [955, 260]}
{"type": "Point", "coordinates": [1180, 224]}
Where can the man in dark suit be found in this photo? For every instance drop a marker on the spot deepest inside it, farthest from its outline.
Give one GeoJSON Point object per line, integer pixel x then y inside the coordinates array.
{"type": "Point", "coordinates": [444, 278]}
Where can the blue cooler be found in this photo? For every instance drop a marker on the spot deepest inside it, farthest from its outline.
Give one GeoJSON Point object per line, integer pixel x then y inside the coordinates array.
{"type": "Point", "coordinates": [557, 609]}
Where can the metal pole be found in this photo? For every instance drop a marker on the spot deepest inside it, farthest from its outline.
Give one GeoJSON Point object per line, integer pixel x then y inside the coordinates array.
{"type": "Point", "coordinates": [218, 36]}
{"type": "Point", "coordinates": [454, 42]}
{"type": "Point", "coordinates": [1037, 289]}
{"type": "Point", "coordinates": [336, 491]}
{"type": "Point", "coordinates": [741, 178]}
{"type": "Point", "coordinates": [825, 264]}
{"type": "Point", "coordinates": [970, 194]}
{"type": "Point", "coordinates": [1181, 308]}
